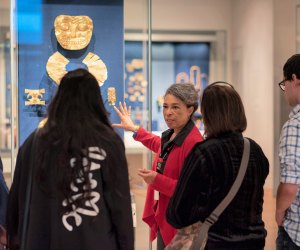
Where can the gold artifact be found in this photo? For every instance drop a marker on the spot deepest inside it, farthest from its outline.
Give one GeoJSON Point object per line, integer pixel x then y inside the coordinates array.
{"type": "Point", "coordinates": [73, 32]}
{"type": "Point", "coordinates": [129, 67]}
{"type": "Point", "coordinates": [132, 98]}
{"type": "Point", "coordinates": [141, 98]}
{"type": "Point", "coordinates": [131, 90]}
{"type": "Point", "coordinates": [139, 77]}
{"type": "Point", "coordinates": [134, 65]}
{"type": "Point", "coordinates": [137, 63]}
{"type": "Point", "coordinates": [42, 123]}
{"type": "Point", "coordinates": [132, 78]}
{"type": "Point", "coordinates": [111, 95]}
{"type": "Point", "coordinates": [56, 66]}
{"type": "Point", "coordinates": [137, 84]}
{"type": "Point", "coordinates": [144, 83]}
{"type": "Point", "coordinates": [34, 97]}
{"type": "Point", "coordinates": [96, 66]}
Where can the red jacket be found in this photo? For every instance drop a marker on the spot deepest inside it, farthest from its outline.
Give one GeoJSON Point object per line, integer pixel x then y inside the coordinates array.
{"type": "Point", "coordinates": [155, 212]}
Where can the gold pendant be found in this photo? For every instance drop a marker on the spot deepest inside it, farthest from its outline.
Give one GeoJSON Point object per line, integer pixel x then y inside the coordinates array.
{"type": "Point", "coordinates": [111, 95]}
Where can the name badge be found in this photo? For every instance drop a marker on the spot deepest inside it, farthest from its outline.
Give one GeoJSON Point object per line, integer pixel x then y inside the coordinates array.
{"type": "Point", "coordinates": [156, 195]}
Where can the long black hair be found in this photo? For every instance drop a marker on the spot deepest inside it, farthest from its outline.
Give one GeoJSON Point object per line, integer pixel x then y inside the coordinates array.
{"type": "Point", "coordinates": [76, 120]}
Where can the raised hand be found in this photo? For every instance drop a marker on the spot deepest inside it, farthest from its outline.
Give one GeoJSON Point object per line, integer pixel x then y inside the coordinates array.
{"type": "Point", "coordinates": [124, 114]}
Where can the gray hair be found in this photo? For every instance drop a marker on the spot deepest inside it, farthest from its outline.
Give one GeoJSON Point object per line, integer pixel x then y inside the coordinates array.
{"type": "Point", "coordinates": [185, 92]}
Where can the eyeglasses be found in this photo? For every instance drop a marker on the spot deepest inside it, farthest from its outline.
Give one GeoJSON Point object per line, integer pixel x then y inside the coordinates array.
{"type": "Point", "coordinates": [282, 85]}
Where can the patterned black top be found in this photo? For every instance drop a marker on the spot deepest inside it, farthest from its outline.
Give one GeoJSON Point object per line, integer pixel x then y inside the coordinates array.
{"type": "Point", "coordinates": [103, 222]}
{"type": "Point", "coordinates": [208, 174]}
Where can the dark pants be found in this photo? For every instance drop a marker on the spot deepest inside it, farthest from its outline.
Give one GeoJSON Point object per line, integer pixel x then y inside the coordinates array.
{"type": "Point", "coordinates": [160, 242]}
{"type": "Point", "coordinates": [284, 242]}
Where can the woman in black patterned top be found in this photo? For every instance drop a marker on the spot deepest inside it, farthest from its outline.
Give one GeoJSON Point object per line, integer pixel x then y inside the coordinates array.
{"type": "Point", "coordinates": [210, 170]}
{"type": "Point", "coordinates": [80, 195]}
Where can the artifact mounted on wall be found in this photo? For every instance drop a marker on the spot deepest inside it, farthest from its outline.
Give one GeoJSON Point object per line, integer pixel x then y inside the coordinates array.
{"type": "Point", "coordinates": [111, 95]}
{"type": "Point", "coordinates": [34, 97]}
{"type": "Point", "coordinates": [96, 66]}
{"type": "Point", "coordinates": [73, 32]}
{"type": "Point", "coordinates": [57, 67]}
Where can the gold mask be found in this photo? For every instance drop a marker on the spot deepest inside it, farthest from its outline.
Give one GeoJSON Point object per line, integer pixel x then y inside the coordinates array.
{"type": "Point", "coordinates": [73, 32]}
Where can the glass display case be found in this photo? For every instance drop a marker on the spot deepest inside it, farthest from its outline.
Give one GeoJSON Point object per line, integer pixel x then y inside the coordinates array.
{"type": "Point", "coordinates": [140, 64]}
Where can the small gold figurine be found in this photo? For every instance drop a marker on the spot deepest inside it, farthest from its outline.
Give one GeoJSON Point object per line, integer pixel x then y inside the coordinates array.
{"type": "Point", "coordinates": [111, 95]}
{"type": "Point", "coordinates": [73, 32]}
{"type": "Point", "coordinates": [34, 97]}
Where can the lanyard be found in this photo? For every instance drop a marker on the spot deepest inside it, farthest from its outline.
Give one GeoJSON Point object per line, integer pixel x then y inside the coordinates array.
{"type": "Point", "coordinates": [163, 156]}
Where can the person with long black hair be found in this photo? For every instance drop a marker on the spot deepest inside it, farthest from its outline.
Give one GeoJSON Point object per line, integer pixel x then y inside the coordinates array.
{"type": "Point", "coordinates": [80, 196]}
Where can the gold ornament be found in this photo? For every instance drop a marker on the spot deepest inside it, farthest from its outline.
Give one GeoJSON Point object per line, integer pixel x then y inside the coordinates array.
{"type": "Point", "coordinates": [42, 122]}
{"type": "Point", "coordinates": [137, 63]}
{"type": "Point", "coordinates": [96, 66]}
{"type": "Point", "coordinates": [73, 32]}
{"type": "Point", "coordinates": [141, 98]}
{"type": "Point", "coordinates": [56, 67]}
{"type": "Point", "coordinates": [111, 96]}
{"type": "Point", "coordinates": [129, 67]}
{"type": "Point", "coordinates": [132, 98]}
{"type": "Point", "coordinates": [34, 97]}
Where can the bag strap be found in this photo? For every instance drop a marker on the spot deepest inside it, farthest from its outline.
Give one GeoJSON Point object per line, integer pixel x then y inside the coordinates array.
{"type": "Point", "coordinates": [214, 216]}
{"type": "Point", "coordinates": [28, 192]}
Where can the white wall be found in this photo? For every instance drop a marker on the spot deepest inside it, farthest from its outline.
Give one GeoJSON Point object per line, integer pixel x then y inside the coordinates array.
{"type": "Point", "coordinates": [252, 70]}
{"type": "Point", "coordinates": [284, 47]}
{"type": "Point", "coordinates": [179, 15]}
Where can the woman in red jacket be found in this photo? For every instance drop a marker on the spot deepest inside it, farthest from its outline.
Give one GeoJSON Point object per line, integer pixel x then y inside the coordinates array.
{"type": "Point", "coordinates": [180, 102]}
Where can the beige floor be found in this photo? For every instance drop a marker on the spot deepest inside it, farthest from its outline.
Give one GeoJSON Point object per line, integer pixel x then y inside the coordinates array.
{"type": "Point", "coordinates": [142, 231]}
{"type": "Point", "coordinates": [269, 219]}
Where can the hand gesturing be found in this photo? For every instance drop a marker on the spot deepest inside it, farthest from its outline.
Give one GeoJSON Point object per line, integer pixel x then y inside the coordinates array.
{"type": "Point", "coordinates": [124, 115]}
